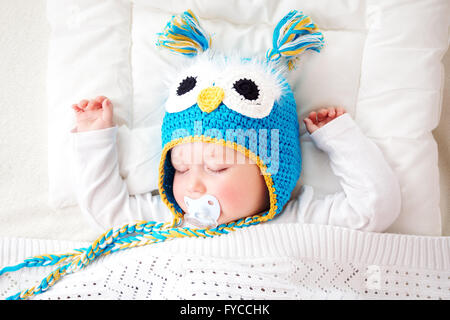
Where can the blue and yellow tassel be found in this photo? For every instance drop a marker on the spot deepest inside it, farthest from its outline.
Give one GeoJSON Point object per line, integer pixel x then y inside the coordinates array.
{"type": "Point", "coordinates": [183, 34]}
{"type": "Point", "coordinates": [293, 35]}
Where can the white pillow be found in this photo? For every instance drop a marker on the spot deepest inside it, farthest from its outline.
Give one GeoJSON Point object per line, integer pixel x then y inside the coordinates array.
{"type": "Point", "coordinates": [381, 61]}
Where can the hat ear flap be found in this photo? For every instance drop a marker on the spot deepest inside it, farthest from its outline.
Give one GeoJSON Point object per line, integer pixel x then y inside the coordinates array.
{"type": "Point", "coordinates": [184, 35]}
{"type": "Point", "coordinates": [293, 35]}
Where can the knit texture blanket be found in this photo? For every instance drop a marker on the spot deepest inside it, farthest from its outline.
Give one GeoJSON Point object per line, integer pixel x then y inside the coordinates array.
{"type": "Point", "coordinates": [269, 261]}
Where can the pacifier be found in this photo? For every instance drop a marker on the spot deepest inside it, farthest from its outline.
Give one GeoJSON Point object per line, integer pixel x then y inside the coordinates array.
{"type": "Point", "coordinates": [202, 212]}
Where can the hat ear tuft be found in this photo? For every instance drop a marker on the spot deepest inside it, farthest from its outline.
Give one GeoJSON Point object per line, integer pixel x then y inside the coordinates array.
{"type": "Point", "coordinates": [184, 35]}
{"type": "Point", "coordinates": [293, 35]}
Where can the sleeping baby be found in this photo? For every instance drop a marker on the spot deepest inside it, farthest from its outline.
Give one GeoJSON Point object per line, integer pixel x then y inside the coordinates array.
{"type": "Point", "coordinates": [370, 199]}
{"type": "Point", "coordinates": [231, 154]}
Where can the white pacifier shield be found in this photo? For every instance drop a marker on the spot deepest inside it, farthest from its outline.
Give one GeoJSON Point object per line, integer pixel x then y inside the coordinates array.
{"type": "Point", "coordinates": [202, 212]}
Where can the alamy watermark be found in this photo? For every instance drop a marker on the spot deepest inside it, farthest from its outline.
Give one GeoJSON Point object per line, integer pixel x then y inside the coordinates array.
{"type": "Point", "coordinates": [262, 142]}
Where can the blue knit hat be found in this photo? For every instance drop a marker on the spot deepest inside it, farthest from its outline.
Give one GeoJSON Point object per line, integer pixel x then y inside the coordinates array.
{"type": "Point", "coordinates": [242, 103]}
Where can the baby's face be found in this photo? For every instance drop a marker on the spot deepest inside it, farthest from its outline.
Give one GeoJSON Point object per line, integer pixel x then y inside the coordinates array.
{"type": "Point", "coordinates": [208, 168]}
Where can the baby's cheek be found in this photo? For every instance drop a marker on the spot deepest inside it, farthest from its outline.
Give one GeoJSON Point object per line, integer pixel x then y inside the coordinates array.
{"type": "Point", "coordinates": [228, 197]}
{"type": "Point", "coordinates": [233, 198]}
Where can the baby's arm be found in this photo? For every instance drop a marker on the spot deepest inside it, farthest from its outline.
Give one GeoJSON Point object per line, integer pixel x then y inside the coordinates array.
{"type": "Point", "coordinates": [371, 194]}
{"type": "Point", "coordinates": [101, 192]}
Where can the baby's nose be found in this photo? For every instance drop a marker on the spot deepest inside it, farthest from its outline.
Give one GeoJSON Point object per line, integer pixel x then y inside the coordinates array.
{"type": "Point", "coordinates": [196, 185]}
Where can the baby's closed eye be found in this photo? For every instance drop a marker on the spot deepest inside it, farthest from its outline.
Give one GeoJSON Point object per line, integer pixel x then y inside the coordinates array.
{"type": "Point", "coordinates": [215, 170]}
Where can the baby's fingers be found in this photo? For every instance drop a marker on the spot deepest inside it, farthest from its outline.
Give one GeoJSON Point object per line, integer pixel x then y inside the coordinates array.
{"type": "Point", "coordinates": [83, 103]}
{"type": "Point", "coordinates": [340, 111]}
{"type": "Point", "coordinates": [106, 103]}
{"type": "Point", "coordinates": [313, 116]}
{"type": "Point", "coordinates": [331, 112]}
{"type": "Point", "coordinates": [100, 99]}
{"type": "Point", "coordinates": [93, 105]}
{"type": "Point", "coordinates": [310, 126]}
{"type": "Point", "coordinates": [322, 115]}
{"type": "Point", "coordinates": [76, 108]}
{"type": "Point", "coordinates": [107, 110]}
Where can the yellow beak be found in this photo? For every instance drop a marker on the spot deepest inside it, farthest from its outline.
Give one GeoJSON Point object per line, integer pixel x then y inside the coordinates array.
{"type": "Point", "coordinates": [210, 98]}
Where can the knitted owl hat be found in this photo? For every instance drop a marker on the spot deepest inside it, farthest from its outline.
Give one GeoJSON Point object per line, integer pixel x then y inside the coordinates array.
{"type": "Point", "coordinates": [242, 103]}
{"type": "Point", "coordinates": [232, 101]}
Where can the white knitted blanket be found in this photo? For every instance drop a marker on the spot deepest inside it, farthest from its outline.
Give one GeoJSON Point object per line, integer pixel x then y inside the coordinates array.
{"type": "Point", "coordinates": [271, 261]}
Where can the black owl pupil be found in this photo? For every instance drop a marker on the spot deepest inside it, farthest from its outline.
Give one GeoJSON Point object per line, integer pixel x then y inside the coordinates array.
{"type": "Point", "coordinates": [186, 85]}
{"type": "Point", "coordinates": [247, 88]}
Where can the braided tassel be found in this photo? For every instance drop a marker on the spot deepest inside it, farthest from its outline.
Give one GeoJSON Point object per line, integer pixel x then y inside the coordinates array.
{"type": "Point", "coordinates": [104, 245]}
{"type": "Point", "coordinates": [293, 35]}
{"type": "Point", "coordinates": [41, 261]}
{"type": "Point", "coordinates": [183, 34]}
{"type": "Point", "coordinates": [128, 236]}
{"type": "Point", "coordinates": [45, 284]}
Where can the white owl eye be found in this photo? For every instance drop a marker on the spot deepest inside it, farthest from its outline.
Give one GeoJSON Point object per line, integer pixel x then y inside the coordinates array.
{"type": "Point", "coordinates": [250, 92]}
{"type": "Point", "coordinates": [188, 84]}
{"type": "Point", "coordinates": [184, 92]}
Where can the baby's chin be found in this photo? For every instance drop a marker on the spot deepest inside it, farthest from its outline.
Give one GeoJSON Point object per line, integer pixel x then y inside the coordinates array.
{"type": "Point", "coordinates": [223, 219]}
{"type": "Point", "coordinates": [227, 218]}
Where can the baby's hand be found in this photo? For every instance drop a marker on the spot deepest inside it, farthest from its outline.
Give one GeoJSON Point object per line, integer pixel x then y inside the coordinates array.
{"type": "Point", "coordinates": [316, 120]}
{"type": "Point", "coordinates": [94, 114]}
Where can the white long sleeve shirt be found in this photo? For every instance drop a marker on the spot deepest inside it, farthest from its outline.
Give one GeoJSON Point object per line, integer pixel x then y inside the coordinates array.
{"type": "Point", "coordinates": [370, 199]}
